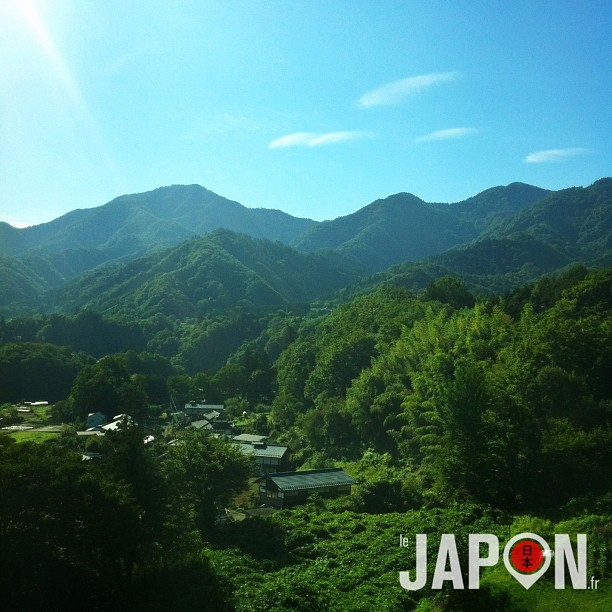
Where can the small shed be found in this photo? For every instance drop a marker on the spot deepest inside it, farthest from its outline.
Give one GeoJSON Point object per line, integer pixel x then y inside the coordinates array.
{"type": "Point", "coordinates": [202, 424]}
{"type": "Point", "coordinates": [225, 428]}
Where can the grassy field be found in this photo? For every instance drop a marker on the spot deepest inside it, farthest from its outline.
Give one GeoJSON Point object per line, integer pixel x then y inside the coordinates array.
{"type": "Point", "coordinates": [40, 416]}
{"type": "Point", "coordinates": [33, 436]}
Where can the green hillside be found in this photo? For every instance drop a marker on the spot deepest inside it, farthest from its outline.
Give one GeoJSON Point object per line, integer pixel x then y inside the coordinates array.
{"type": "Point", "coordinates": [23, 284]}
{"type": "Point", "coordinates": [490, 207]}
{"type": "Point", "coordinates": [454, 414]}
{"type": "Point", "coordinates": [577, 222]}
{"type": "Point", "coordinates": [404, 228]}
{"type": "Point", "coordinates": [133, 224]}
{"type": "Point", "coordinates": [399, 228]}
{"type": "Point", "coordinates": [567, 226]}
{"type": "Point", "coordinates": [496, 241]}
{"type": "Point", "coordinates": [209, 274]}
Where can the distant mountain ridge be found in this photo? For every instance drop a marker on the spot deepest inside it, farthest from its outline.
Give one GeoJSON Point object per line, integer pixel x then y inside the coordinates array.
{"type": "Point", "coordinates": [567, 227]}
{"type": "Point", "coordinates": [576, 221]}
{"type": "Point", "coordinates": [403, 227]}
{"type": "Point", "coordinates": [134, 224]}
{"type": "Point", "coordinates": [496, 240]}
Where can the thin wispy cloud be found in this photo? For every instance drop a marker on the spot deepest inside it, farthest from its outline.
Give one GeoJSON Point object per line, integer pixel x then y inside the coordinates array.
{"type": "Point", "coordinates": [313, 139]}
{"type": "Point", "coordinates": [554, 155]}
{"type": "Point", "coordinates": [448, 134]}
{"type": "Point", "coordinates": [396, 91]}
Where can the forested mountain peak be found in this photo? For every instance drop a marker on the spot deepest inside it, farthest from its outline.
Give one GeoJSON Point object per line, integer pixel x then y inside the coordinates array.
{"type": "Point", "coordinates": [576, 221]}
{"type": "Point", "coordinates": [212, 273]}
{"type": "Point", "coordinates": [517, 193]}
{"type": "Point", "coordinates": [396, 201]}
{"type": "Point", "coordinates": [135, 223]}
{"type": "Point", "coordinates": [402, 227]}
{"type": "Point", "coordinates": [490, 207]}
{"type": "Point", "coordinates": [514, 247]}
{"type": "Point", "coordinates": [498, 239]}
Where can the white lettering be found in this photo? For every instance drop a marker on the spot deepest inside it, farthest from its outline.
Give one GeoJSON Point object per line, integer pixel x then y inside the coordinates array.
{"type": "Point", "coordinates": [476, 561]}
{"type": "Point", "coordinates": [421, 566]}
{"type": "Point", "coordinates": [448, 549]}
{"type": "Point", "coordinates": [564, 552]}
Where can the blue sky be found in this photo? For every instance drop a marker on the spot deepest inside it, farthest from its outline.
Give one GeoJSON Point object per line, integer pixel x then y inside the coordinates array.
{"type": "Point", "coordinates": [314, 107]}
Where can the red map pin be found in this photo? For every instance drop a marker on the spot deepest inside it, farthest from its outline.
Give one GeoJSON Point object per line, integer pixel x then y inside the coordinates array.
{"type": "Point", "coordinates": [527, 556]}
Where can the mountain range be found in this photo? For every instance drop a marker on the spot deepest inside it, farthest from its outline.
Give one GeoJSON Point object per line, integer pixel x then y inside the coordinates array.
{"type": "Point", "coordinates": [134, 224]}
{"type": "Point", "coordinates": [168, 242]}
{"type": "Point", "coordinates": [403, 227]}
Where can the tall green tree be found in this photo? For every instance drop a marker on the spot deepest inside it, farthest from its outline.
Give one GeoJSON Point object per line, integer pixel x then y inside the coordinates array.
{"type": "Point", "coordinates": [67, 533]}
{"type": "Point", "coordinates": [203, 474]}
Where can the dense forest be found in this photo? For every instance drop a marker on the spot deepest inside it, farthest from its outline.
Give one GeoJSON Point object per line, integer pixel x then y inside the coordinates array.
{"type": "Point", "coordinates": [457, 412]}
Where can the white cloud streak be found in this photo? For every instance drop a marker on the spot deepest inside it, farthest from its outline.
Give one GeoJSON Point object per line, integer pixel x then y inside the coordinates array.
{"type": "Point", "coordinates": [554, 155]}
{"type": "Point", "coordinates": [312, 139]}
{"type": "Point", "coordinates": [396, 91]}
{"type": "Point", "coordinates": [449, 134]}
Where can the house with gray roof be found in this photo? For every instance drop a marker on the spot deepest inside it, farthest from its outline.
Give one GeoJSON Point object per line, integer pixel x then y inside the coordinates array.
{"type": "Point", "coordinates": [268, 457]}
{"type": "Point", "coordinates": [209, 411]}
{"type": "Point", "coordinates": [202, 424]}
{"type": "Point", "coordinates": [246, 437]}
{"type": "Point", "coordinates": [286, 489]}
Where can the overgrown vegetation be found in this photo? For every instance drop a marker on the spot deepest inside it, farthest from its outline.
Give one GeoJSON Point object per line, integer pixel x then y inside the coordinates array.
{"type": "Point", "coordinates": [457, 414]}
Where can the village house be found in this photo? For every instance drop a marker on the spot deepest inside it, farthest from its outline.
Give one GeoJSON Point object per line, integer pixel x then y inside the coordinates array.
{"type": "Point", "coordinates": [286, 489]}
{"type": "Point", "coordinates": [95, 419]}
{"type": "Point", "coordinates": [268, 457]}
{"type": "Point", "coordinates": [223, 428]}
{"type": "Point", "coordinates": [117, 422]}
{"type": "Point", "coordinates": [208, 411]}
{"type": "Point", "coordinates": [90, 432]}
{"type": "Point", "coordinates": [202, 424]}
{"type": "Point", "coordinates": [246, 437]}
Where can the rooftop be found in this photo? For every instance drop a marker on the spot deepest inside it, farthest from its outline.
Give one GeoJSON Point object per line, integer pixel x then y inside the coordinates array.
{"type": "Point", "coordinates": [204, 407]}
{"type": "Point", "coordinates": [311, 479]}
{"type": "Point", "coordinates": [245, 437]}
{"type": "Point", "coordinates": [202, 424]}
{"type": "Point", "coordinates": [263, 450]}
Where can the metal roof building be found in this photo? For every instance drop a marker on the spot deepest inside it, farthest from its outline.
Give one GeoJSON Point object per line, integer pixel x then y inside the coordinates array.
{"type": "Point", "coordinates": [268, 457]}
{"type": "Point", "coordinates": [311, 479]}
{"type": "Point", "coordinates": [285, 489]}
{"type": "Point", "coordinates": [260, 449]}
{"type": "Point", "coordinates": [245, 437]}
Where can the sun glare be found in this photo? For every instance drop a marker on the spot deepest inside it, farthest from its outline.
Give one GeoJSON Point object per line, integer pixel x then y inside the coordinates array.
{"type": "Point", "coordinates": [40, 32]}
{"type": "Point", "coordinates": [28, 15]}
